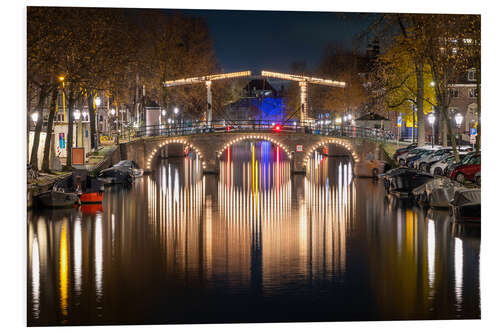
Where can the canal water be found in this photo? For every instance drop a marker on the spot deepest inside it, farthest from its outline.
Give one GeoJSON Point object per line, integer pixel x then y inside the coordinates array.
{"type": "Point", "coordinates": [252, 244]}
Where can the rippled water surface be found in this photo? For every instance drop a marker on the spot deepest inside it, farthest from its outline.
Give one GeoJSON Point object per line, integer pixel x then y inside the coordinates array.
{"type": "Point", "coordinates": [251, 245]}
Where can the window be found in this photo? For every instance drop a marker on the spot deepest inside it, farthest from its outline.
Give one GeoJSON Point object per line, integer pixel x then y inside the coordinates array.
{"type": "Point", "coordinates": [471, 74]}
{"type": "Point", "coordinates": [472, 92]}
{"type": "Point", "coordinates": [454, 92]}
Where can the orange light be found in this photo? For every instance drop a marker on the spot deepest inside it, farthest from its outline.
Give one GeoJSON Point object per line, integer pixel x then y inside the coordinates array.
{"type": "Point", "coordinates": [61, 78]}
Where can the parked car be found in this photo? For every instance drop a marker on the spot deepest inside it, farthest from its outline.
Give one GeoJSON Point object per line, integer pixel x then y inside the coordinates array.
{"type": "Point", "coordinates": [425, 163]}
{"type": "Point", "coordinates": [477, 178]}
{"type": "Point", "coordinates": [437, 169]}
{"type": "Point", "coordinates": [467, 171]}
{"type": "Point", "coordinates": [403, 158]}
{"type": "Point", "coordinates": [448, 170]}
{"type": "Point", "coordinates": [403, 150]}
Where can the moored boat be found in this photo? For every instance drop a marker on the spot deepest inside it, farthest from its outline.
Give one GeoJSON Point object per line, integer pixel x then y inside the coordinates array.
{"type": "Point", "coordinates": [436, 193]}
{"type": "Point", "coordinates": [466, 205]}
{"type": "Point", "coordinates": [401, 183]}
{"type": "Point", "coordinates": [56, 198]}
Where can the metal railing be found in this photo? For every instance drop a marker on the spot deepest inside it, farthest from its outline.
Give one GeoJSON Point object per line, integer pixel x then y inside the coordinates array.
{"type": "Point", "coordinates": [264, 126]}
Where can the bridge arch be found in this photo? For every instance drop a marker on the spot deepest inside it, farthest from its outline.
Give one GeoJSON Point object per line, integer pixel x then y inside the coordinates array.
{"type": "Point", "coordinates": [152, 154]}
{"type": "Point", "coordinates": [328, 141]}
{"type": "Point", "coordinates": [264, 137]}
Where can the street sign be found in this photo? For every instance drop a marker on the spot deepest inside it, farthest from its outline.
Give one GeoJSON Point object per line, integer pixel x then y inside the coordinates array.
{"type": "Point", "coordinates": [473, 131]}
{"type": "Point", "coordinates": [299, 148]}
{"type": "Point", "coordinates": [472, 139]}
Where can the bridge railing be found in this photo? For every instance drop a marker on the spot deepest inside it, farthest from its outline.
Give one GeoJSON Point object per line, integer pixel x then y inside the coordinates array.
{"type": "Point", "coordinates": [224, 126]}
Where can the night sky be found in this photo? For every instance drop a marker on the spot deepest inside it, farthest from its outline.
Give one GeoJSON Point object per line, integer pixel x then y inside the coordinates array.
{"type": "Point", "coordinates": [272, 40]}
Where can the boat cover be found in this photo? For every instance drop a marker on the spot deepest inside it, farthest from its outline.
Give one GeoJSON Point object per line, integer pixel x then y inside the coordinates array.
{"type": "Point", "coordinates": [467, 196]}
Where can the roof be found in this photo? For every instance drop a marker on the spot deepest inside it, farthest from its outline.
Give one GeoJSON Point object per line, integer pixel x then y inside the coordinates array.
{"type": "Point", "coordinates": [372, 116]}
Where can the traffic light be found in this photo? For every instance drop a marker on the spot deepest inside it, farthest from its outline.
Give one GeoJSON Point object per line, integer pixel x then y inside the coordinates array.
{"type": "Point", "coordinates": [228, 128]}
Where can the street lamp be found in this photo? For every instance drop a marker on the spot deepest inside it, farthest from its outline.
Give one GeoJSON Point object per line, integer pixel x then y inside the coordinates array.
{"type": "Point", "coordinates": [433, 83]}
{"type": "Point", "coordinates": [431, 119]}
{"type": "Point", "coordinates": [76, 115]}
{"type": "Point", "coordinates": [458, 119]}
{"type": "Point", "coordinates": [176, 110]}
{"type": "Point", "coordinates": [163, 112]}
{"type": "Point", "coordinates": [97, 101]}
{"type": "Point", "coordinates": [34, 117]}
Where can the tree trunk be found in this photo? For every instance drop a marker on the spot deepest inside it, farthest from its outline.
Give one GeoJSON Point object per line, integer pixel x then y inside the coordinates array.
{"type": "Point", "coordinates": [93, 136]}
{"type": "Point", "coordinates": [38, 127]}
{"type": "Point", "coordinates": [420, 102]}
{"type": "Point", "coordinates": [50, 124]}
{"type": "Point", "coordinates": [444, 126]}
{"type": "Point", "coordinates": [452, 137]}
{"type": "Point", "coordinates": [69, 145]}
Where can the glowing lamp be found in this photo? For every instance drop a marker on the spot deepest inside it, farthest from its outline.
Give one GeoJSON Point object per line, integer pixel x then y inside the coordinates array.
{"type": "Point", "coordinates": [277, 128]}
{"type": "Point", "coordinates": [459, 118]}
{"type": "Point", "coordinates": [77, 114]}
{"type": "Point", "coordinates": [431, 118]}
{"type": "Point", "coordinates": [34, 117]}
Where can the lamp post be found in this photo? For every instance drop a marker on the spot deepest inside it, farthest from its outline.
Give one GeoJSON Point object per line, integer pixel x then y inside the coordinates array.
{"type": "Point", "coordinates": [112, 111]}
{"type": "Point", "coordinates": [458, 119]}
{"type": "Point", "coordinates": [34, 117]}
{"type": "Point", "coordinates": [76, 115]}
{"type": "Point", "coordinates": [61, 79]}
{"type": "Point", "coordinates": [431, 119]}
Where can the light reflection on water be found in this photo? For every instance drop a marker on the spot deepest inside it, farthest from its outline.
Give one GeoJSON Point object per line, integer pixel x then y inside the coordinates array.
{"type": "Point", "coordinates": [253, 244]}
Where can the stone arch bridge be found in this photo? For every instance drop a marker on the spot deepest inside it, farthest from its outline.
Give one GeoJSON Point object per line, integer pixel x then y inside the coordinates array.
{"type": "Point", "coordinates": [298, 146]}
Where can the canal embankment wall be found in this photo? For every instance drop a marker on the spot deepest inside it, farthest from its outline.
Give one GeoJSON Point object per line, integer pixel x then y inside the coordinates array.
{"type": "Point", "coordinates": [102, 159]}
